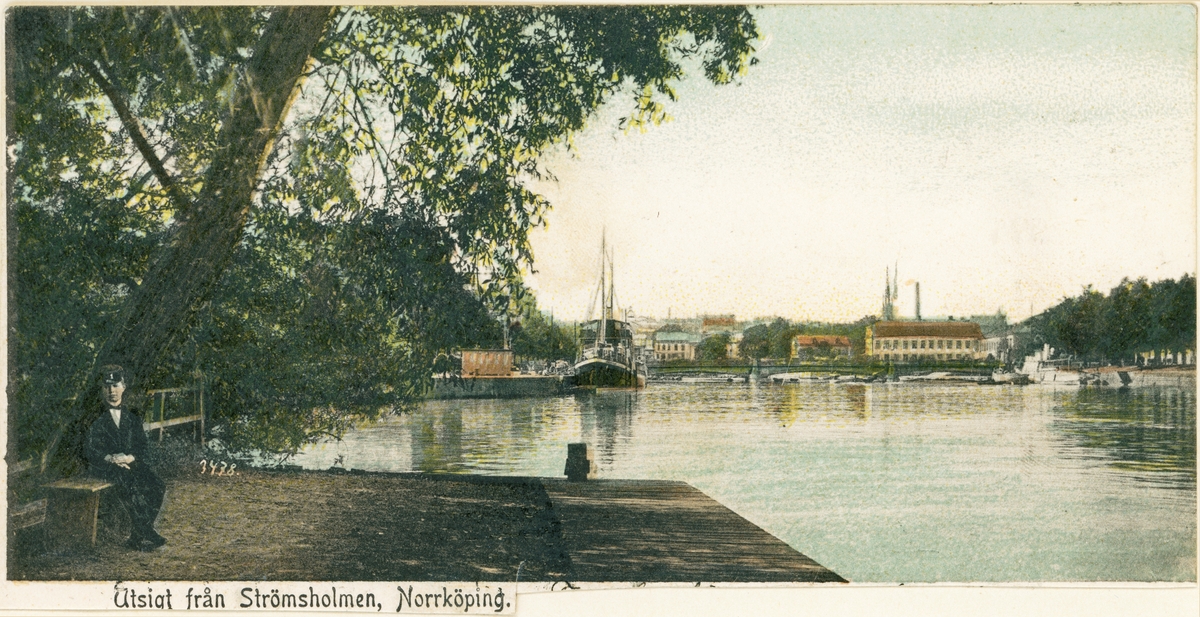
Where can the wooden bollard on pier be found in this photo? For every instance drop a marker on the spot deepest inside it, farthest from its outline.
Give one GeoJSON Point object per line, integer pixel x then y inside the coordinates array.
{"type": "Point", "coordinates": [579, 463]}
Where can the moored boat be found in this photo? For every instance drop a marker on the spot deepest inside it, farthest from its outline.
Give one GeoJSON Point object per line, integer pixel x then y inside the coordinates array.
{"type": "Point", "coordinates": [1010, 377]}
{"type": "Point", "coordinates": [1039, 369]}
{"type": "Point", "coordinates": [607, 357]}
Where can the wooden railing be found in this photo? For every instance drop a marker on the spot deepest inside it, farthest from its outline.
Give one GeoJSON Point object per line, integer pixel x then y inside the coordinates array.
{"type": "Point", "coordinates": [157, 418]}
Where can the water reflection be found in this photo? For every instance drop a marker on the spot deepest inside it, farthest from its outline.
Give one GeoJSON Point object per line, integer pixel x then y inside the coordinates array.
{"type": "Point", "coordinates": [482, 435]}
{"type": "Point", "coordinates": [1149, 431]}
{"type": "Point", "coordinates": [786, 408]}
{"type": "Point", "coordinates": [856, 396]}
{"type": "Point", "coordinates": [978, 478]}
{"type": "Point", "coordinates": [437, 440]}
{"type": "Point", "coordinates": [606, 420]}
{"type": "Point", "coordinates": [857, 404]}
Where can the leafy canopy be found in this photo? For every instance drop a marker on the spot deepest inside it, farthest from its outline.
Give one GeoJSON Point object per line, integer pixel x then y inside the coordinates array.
{"type": "Point", "coordinates": [384, 224]}
{"type": "Point", "coordinates": [1135, 317]}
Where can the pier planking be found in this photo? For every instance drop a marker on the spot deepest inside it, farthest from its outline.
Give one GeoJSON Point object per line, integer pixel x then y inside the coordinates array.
{"type": "Point", "coordinates": [651, 530]}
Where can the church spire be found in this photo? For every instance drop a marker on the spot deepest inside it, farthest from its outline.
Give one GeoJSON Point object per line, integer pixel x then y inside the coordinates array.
{"type": "Point", "coordinates": [889, 310]}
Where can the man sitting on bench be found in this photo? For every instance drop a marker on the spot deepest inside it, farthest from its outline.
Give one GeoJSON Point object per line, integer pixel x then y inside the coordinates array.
{"type": "Point", "coordinates": [116, 451]}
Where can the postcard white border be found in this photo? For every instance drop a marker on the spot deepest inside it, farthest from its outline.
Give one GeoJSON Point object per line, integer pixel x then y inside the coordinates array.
{"type": "Point", "coordinates": [41, 598]}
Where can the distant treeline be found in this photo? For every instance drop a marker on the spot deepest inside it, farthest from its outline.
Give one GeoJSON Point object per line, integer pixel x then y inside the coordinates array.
{"type": "Point", "coordinates": [1134, 317]}
{"type": "Point", "coordinates": [774, 340]}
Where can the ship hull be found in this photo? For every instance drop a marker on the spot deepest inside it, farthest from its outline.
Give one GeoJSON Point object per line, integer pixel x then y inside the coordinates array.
{"type": "Point", "coordinates": [600, 373]}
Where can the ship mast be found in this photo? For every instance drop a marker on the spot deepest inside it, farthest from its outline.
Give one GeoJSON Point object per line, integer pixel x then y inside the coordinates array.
{"type": "Point", "coordinates": [603, 301]}
{"type": "Point", "coordinates": [612, 288]}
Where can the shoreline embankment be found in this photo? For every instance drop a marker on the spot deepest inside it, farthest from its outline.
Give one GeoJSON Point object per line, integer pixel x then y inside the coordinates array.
{"type": "Point", "coordinates": [1162, 377]}
{"type": "Point", "coordinates": [514, 386]}
{"type": "Point", "coordinates": [532, 386]}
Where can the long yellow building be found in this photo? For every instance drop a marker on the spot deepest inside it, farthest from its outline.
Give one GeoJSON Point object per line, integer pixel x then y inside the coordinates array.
{"type": "Point", "coordinates": [915, 341]}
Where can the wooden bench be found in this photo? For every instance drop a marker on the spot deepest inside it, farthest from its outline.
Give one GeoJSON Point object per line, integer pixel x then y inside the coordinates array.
{"type": "Point", "coordinates": [71, 507]}
{"type": "Point", "coordinates": [72, 511]}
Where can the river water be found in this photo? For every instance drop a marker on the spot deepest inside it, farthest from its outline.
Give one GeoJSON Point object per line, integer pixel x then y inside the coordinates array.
{"type": "Point", "coordinates": [878, 482]}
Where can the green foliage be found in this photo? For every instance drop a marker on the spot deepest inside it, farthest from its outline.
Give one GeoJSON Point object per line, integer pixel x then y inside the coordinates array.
{"type": "Point", "coordinates": [781, 333]}
{"type": "Point", "coordinates": [538, 337]}
{"type": "Point", "coordinates": [75, 268]}
{"type": "Point", "coordinates": [755, 343]}
{"type": "Point", "coordinates": [334, 333]}
{"type": "Point", "coordinates": [1134, 317]}
{"type": "Point", "coordinates": [856, 331]}
{"type": "Point", "coordinates": [713, 348]}
{"type": "Point", "coordinates": [774, 340]}
{"type": "Point", "coordinates": [390, 221]}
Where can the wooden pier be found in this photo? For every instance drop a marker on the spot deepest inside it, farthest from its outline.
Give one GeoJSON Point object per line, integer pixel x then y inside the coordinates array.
{"type": "Point", "coordinates": [360, 526]}
{"type": "Point", "coordinates": [651, 530]}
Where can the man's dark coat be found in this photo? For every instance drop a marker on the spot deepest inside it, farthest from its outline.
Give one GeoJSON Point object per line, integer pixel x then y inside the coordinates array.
{"type": "Point", "coordinates": [139, 488]}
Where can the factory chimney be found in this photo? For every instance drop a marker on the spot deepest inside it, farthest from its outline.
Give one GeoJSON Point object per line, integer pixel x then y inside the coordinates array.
{"type": "Point", "coordinates": [918, 301]}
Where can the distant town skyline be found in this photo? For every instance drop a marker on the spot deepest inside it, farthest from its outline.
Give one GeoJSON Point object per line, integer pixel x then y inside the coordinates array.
{"type": "Point", "coordinates": [1003, 156]}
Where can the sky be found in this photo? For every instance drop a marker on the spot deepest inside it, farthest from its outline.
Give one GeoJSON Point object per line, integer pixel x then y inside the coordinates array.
{"type": "Point", "coordinates": [1004, 157]}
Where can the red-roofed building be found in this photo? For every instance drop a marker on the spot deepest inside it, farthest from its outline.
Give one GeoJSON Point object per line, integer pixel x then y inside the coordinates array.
{"type": "Point", "coordinates": [718, 323]}
{"type": "Point", "coordinates": [929, 341]}
{"type": "Point", "coordinates": [806, 346]}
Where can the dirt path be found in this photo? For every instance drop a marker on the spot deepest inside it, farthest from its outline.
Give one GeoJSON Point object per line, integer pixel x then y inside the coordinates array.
{"type": "Point", "coordinates": [325, 526]}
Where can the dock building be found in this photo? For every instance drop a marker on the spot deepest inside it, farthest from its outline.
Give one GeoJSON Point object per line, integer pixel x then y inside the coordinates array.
{"type": "Point", "coordinates": [914, 341]}
{"type": "Point", "coordinates": [487, 362]}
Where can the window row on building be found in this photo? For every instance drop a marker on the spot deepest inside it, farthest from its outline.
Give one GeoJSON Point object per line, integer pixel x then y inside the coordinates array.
{"type": "Point", "coordinates": [675, 346]}
{"type": "Point", "coordinates": [925, 340]}
{"type": "Point", "coordinates": [906, 344]}
{"type": "Point", "coordinates": [897, 357]}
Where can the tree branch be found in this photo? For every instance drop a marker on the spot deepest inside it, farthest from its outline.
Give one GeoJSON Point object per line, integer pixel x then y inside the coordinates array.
{"type": "Point", "coordinates": [183, 274]}
{"type": "Point", "coordinates": [134, 127]}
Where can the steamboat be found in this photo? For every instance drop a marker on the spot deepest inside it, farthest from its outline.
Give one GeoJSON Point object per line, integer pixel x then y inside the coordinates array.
{"type": "Point", "coordinates": [607, 358]}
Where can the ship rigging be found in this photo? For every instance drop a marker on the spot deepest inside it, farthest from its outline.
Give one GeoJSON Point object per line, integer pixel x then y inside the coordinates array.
{"type": "Point", "coordinates": [607, 357]}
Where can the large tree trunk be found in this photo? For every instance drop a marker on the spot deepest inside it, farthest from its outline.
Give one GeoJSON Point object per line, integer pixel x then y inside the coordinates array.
{"type": "Point", "coordinates": [184, 274]}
